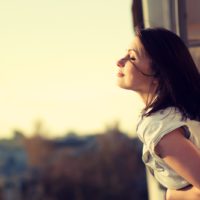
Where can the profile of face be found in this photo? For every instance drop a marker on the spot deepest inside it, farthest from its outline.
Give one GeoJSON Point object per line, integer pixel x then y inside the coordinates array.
{"type": "Point", "coordinates": [135, 72]}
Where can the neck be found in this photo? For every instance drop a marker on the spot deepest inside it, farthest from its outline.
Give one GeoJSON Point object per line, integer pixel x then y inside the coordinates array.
{"type": "Point", "coordinates": [148, 96]}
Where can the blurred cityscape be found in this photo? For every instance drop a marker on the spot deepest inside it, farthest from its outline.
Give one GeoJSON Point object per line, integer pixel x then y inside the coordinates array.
{"type": "Point", "coordinates": [100, 166]}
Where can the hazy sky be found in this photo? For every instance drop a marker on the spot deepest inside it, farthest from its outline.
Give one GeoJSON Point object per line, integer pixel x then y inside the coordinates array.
{"type": "Point", "coordinates": [57, 64]}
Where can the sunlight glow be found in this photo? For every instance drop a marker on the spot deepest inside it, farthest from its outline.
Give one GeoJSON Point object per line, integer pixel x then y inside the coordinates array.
{"type": "Point", "coordinates": [58, 65]}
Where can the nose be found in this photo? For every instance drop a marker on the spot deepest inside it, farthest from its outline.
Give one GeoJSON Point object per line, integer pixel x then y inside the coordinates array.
{"type": "Point", "coordinates": [121, 62]}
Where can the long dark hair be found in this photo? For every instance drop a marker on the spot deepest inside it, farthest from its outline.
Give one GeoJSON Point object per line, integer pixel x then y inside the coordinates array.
{"type": "Point", "coordinates": [177, 75]}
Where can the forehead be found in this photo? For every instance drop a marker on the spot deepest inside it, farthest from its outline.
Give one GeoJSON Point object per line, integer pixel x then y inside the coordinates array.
{"type": "Point", "coordinates": [137, 47]}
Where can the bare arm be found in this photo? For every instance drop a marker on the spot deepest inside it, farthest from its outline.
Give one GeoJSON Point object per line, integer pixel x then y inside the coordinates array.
{"type": "Point", "coordinates": [189, 193]}
{"type": "Point", "coordinates": [183, 157]}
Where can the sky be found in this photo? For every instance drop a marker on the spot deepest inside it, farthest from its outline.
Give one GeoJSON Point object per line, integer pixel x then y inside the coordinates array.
{"type": "Point", "coordinates": [58, 66]}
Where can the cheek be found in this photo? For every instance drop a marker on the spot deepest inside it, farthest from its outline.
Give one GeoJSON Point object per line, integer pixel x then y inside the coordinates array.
{"type": "Point", "coordinates": [133, 75]}
{"type": "Point", "coordinates": [135, 80]}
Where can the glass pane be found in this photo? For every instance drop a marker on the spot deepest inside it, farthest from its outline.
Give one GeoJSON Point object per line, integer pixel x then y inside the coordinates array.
{"type": "Point", "coordinates": [193, 19]}
{"type": "Point", "coordinates": [195, 51]}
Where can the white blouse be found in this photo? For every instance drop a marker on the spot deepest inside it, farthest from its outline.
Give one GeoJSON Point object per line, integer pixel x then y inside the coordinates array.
{"type": "Point", "coordinates": [151, 129]}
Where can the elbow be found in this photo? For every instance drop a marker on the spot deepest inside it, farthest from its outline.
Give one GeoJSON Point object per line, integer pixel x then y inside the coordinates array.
{"type": "Point", "coordinates": [197, 185]}
{"type": "Point", "coordinates": [197, 190]}
{"type": "Point", "coordinates": [196, 182]}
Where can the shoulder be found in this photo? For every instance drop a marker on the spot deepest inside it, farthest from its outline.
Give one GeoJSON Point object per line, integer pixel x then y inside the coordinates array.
{"type": "Point", "coordinates": [152, 128]}
{"type": "Point", "coordinates": [164, 115]}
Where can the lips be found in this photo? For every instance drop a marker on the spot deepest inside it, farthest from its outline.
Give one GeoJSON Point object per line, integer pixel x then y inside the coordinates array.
{"type": "Point", "coordinates": [120, 74]}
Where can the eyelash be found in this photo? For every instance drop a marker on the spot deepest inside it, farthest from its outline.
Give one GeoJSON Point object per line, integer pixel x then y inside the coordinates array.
{"type": "Point", "coordinates": [132, 58]}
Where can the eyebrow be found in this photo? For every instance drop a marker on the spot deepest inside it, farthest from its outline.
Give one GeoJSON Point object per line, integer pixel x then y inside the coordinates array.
{"type": "Point", "coordinates": [133, 50]}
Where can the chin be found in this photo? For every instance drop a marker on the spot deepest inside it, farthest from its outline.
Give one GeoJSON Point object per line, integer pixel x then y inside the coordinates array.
{"type": "Point", "coordinates": [129, 88]}
{"type": "Point", "coordinates": [124, 86]}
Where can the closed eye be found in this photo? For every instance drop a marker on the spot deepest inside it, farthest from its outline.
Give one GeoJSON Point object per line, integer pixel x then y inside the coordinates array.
{"type": "Point", "coordinates": [132, 58]}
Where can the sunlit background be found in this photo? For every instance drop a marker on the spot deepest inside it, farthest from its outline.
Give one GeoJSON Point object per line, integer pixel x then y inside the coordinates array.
{"type": "Point", "coordinates": [58, 83]}
{"type": "Point", "coordinates": [57, 66]}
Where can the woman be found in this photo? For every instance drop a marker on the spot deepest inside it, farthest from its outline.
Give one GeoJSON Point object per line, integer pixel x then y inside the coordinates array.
{"type": "Point", "coordinates": [159, 67]}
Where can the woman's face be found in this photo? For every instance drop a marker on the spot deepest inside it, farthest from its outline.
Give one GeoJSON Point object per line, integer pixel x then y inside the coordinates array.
{"type": "Point", "coordinates": [132, 68]}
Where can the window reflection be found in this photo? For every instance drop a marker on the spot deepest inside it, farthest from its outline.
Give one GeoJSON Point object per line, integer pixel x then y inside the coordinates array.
{"type": "Point", "coordinates": [195, 51]}
{"type": "Point", "coordinates": [193, 20]}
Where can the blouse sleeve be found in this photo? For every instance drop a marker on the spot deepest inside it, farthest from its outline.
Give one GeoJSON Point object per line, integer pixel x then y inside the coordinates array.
{"type": "Point", "coordinates": [157, 125]}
